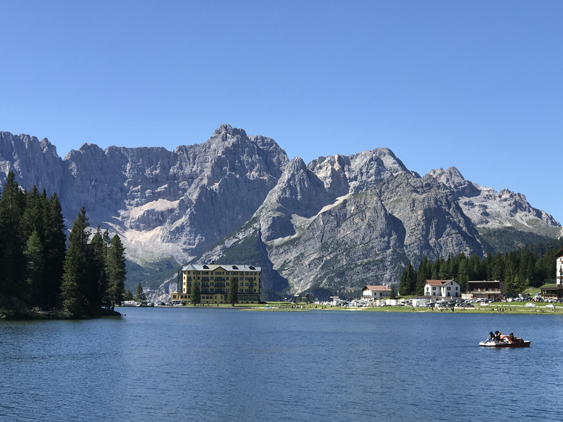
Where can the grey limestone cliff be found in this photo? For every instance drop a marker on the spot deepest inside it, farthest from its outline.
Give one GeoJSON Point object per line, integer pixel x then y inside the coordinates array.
{"type": "Point", "coordinates": [488, 208]}
{"type": "Point", "coordinates": [349, 221]}
{"type": "Point", "coordinates": [161, 202]}
{"type": "Point", "coordinates": [336, 222]}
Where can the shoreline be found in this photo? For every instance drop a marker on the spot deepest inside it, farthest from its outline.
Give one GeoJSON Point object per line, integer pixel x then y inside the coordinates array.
{"type": "Point", "coordinates": [498, 309]}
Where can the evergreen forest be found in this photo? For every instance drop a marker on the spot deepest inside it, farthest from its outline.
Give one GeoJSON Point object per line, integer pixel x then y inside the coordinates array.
{"type": "Point", "coordinates": [40, 269]}
{"type": "Point", "coordinates": [530, 266]}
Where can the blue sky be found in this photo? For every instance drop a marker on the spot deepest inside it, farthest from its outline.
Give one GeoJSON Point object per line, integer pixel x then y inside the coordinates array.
{"type": "Point", "coordinates": [477, 85]}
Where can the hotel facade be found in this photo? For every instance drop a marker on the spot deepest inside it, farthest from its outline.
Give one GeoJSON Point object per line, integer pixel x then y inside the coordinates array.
{"type": "Point", "coordinates": [214, 282]}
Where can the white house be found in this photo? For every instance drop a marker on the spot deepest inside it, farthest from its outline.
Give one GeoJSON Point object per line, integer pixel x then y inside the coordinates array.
{"type": "Point", "coordinates": [442, 288]}
{"type": "Point", "coordinates": [559, 268]}
{"type": "Point", "coordinates": [375, 292]}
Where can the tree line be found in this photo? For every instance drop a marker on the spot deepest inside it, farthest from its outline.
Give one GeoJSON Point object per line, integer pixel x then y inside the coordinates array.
{"type": "Point", "coordinates": [519, 269]}
{"type": "Point", "coordinates": [38, 270]}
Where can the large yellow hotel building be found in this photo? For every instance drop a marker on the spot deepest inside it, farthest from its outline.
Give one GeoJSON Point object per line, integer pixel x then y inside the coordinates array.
{"type": "Point", "coordinates": [214, 282]}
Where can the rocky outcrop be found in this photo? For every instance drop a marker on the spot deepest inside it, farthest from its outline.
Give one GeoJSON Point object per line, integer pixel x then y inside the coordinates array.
{"type": "Point", "coordinates": [343, 222]}
{"type": "Point", "coordinates": [161, 202]}
{"type": "Point", "coordinates": [34, 162]}
{"type": "Point", "coordinates": [491, 209]}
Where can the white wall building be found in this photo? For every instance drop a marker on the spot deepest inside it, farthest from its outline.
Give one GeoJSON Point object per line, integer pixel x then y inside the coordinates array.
{"type": "Point", "coordinates": [442, 288]}
{"type": "Point", "coordinates": [375, 292]}
{"type": "Point", "coordinates": [559, 268]}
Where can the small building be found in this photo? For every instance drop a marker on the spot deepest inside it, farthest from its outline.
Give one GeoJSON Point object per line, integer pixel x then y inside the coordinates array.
{"type": "Point", "coordinates": [555, 290]}
{"type": "Point", "coordinates": [376, 292]}
{"type": "Point", "coordinates": [442, 288]}
{"type": "Point", "coordinates": [559, 268]}
{"type": "Point", "coordinates": [214, 282]}
{"type": "Point", "coordinates": [486, 289]}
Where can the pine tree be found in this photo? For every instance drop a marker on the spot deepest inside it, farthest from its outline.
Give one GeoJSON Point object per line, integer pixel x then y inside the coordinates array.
{"type": "Point", "coordinates": [407, 285]}
{"type": "Point", "coordinates": [473, 268]}
{"type": "Point", "coordinates": [195, 294]}
{"type": "Point", "coordinates": [54, 250]}
{"type": "Point", "coordinates": [33, 217]}
{"type": "Point", "coordinates": [74, 288]}
{"type": "Point", "coordinates": [12, 242]}
{"type": "Point", "coordinates": [128, 295]}
{"type": "Point", "coordinates": [232, 297]}
{"type": "Point", "coordinates": [35, 267]}
{"type": "Point", "coordinates": [436, 269]}
{"type": "Point", "coordinates": [98, 277]}
{"type": "Point", "coordinates": [498, 267]}
{"type": "Point", "coordinates": [116, 272]}
{"type": "Point", "coordinates": [445, 269]}
{"type": "Point", "coordinates": [462, 275]}
{"type": "Point", "coordinates": [404, 283]}
{"type": "Point", "coordinates": [139, 295]}
{"type": "Point", "coordinates": [423, 273]}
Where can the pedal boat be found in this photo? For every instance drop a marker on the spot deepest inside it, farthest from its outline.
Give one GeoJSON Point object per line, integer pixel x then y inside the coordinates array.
{"type": "Point", "coordinates": [504, 344]}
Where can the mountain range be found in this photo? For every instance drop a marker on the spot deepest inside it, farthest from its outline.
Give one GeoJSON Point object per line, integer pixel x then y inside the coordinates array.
{"type": "Point", "coordinates": [336, 222]}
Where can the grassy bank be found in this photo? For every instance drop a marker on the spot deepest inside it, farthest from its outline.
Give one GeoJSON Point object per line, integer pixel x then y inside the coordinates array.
{"type": "Point", "coordinates": [513, 308]}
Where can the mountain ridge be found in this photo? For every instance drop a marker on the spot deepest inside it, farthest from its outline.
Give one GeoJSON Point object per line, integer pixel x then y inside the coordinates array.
{"type": "Point", "coordinates": [337, 221]}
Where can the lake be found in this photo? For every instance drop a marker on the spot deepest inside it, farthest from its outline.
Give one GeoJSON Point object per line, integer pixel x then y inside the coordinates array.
{"type": "Point", "coordinates": [160, 364]}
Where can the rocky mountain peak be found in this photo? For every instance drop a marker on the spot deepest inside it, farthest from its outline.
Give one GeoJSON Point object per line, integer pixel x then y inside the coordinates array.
{"type": "Point", "coordinates": [450, 177]}
{"type": "Point", "coordinates": [228, 129]}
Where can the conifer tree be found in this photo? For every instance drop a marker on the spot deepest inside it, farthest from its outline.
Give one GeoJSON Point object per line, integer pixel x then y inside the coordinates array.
{"type": "Point", "coordinates": [128, 295]}
{"type": "Point", "coordinates": [12, 242]}
{"type": "Point", "coordinates": [54, 250]}
{"type": "Point", "coordinates": [35, 269]}
{"type": "Point", "coordinates": [195, 294]}
{"type": "Point", "coordinates": [232, 296]}
{"type": "Point", "coordinates": [435, 270]}
{"type": "Point", "coordinates": [139, 295]}
{"type": "Point", "coordinates": [423, 273]}
{"type": "Point", "coordinates": [407, 284]}
{"type": "Point", "coordinates": [98, 277]}
{"type": "Point", "coordinates": [116, 271]}
{"type": "Point", "coordinates": [74, 288]}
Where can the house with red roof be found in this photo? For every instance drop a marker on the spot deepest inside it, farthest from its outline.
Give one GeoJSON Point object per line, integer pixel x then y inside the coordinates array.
{"type": "Point", "coordinates": [442, 288]}
{"type": "Point", "coordinates": [376, 292]}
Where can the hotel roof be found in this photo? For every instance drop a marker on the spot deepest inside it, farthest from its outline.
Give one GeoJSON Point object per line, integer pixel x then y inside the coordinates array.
{"type": "Point", "coordinates": [213, 267]}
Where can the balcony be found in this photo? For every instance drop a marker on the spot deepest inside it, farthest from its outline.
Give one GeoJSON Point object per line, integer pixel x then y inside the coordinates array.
{"type": "Point", "coordinates": [486, 291]}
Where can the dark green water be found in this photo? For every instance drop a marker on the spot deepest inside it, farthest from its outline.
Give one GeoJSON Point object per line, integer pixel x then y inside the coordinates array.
{"type": "Point", "coordinates": [161, 364]}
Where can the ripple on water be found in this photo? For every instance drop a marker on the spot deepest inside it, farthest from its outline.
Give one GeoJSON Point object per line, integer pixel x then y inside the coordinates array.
{"type": "Point", "coordinates": [204, 364]}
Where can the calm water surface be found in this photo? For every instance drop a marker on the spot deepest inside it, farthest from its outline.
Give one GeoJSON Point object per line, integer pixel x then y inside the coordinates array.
{"type": "Point", "coordinates": [220, 364]}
